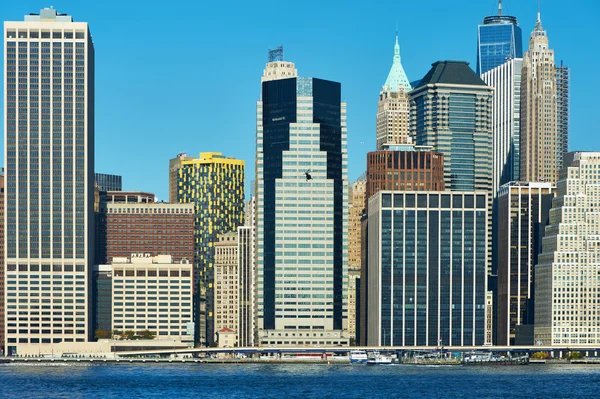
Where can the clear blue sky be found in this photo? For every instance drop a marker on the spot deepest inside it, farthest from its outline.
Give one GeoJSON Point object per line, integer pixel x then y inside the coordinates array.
{"type": "Point", "coordinates": [185, 75]}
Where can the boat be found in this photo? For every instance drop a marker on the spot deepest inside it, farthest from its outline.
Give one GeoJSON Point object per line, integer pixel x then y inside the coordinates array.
{"type": "Point", "coordinates": [377, 358]}
{"type": "Point", "coordinates": [358, 356]}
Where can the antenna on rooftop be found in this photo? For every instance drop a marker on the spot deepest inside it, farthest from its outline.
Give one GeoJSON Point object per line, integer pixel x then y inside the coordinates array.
{"type": "Point", "coordinates": [276, 55]}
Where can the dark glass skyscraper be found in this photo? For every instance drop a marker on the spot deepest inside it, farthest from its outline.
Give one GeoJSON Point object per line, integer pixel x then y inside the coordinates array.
{"type": "Point", "coordinates": [498, 38]}
{"type": "Point", "coordinates": [302, 210]}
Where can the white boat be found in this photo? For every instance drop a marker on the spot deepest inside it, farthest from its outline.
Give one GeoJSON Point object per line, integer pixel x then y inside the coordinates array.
{"type": "Point", "coordinates": [358, 356]}
{"type": "Point", "coordinates": [377, 358]}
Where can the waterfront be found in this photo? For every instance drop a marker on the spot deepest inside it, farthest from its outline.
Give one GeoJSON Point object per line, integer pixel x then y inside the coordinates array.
{"type": "Point", "coordinates": [73, 380]}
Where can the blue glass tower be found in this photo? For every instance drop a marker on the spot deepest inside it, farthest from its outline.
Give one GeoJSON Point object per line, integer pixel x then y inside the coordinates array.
{"type": "Point", "coordinates": [498, 39]}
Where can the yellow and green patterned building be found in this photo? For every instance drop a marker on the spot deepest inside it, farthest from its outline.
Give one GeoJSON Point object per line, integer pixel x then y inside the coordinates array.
{"type": "Point", "coordinates": [215, 184]}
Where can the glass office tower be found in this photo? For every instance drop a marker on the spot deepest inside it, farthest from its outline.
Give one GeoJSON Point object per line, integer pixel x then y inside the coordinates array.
{"type": "Point", "coordinates": [49, 160]}
{"type": "Point", "coordinates": [498, 38]}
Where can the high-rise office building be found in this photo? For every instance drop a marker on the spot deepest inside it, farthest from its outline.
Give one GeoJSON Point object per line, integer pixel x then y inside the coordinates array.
{"type": "Point", "coordinates": [393, 109]}
{"type": "Point", "coordinates": [499, 38]}
{"type": "Point", "coordinates": [540, 142]}
{"type": "Point", "coordinates": [302, 211]}
{"type": "Point", "coordinates": [566, 276]}
{"type": "Point", "coordinates": [246, 277]}
{"type": "Point", "coordinates": [168, 320]}
{"type": "Point", "coordinates": [356, 207]}
{"type": "Point", "coordinates": [451, 111]}
{"type": "Point", "coordinates": [2, 326]}
{"type": "Point", "coordinates": [155, 229]}
{"type": "Point", "coordinates": [49, 163]}
{"type": "Point", "coordinates": [562, 110]}
{"type": "Point", "coordinates": [523, 212]}
{"type": "Point", "coordinates": [174, 166]}
{"type": "Point", "coordinates": [506, 117]}
{"type": "Point", "coordinates": [215, 185]}
{"type": "Point", "coordinates": [226, 282]}
{"type": "Point", "coordinates": [427, 268]}
{"type": "Point", "coordinates": [407, 168]}
{"type": "Point", "coordinates": [109, 182]}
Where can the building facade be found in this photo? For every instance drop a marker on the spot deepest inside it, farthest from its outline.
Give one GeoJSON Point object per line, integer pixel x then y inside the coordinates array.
{"type": "Point", "coordinates": [247, 277]}
{"type": "Point", "coordinates": [215, 185]}
{"type": "Point", "coordinates": [49, 163]}
{"type": "Point", "coordinates": [409, 169]}
{"type": "Point", "coordinates": [566, 276]}
{"type": "Point", "coordinates": [174, 166]}
{"type": "Point", "coordinates": [154, 228]}
{"type": "Point", "coordinates": [302, 212]}
{"type": "Point", "coordinates": [393, 108]}
{"type": "Point", "coordinates": [356, 210]}
{"type": "Point", "coordinates": [109, 182]}
{"type": "Point", "coordinates": [2, 309]}
{"type": "Point", "coordinates": [506, 118]}
{"type": "Point", "coordinates": [226, 282]}
{"type": "Point", "coordinates": [540, 143]}
{"type": "Point", "coordinates": [523, 212]}
{"type": "Point", "coordinates": [169, 314]}
{"type": "Point", "coordinates": [427, 263]}
{"type": "Point", "coordinates": [499, 38]}
{"type": "Point", "coordinates": [562, 110]}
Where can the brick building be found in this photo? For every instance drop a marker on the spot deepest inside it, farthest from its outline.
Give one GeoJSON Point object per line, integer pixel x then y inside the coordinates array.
{"type": "Point", "coordinates": [151, 228]}
{"type": "Point", "coordinates": [404, 168]}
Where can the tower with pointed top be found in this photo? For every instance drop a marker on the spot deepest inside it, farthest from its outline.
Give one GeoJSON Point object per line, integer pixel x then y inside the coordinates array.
{"type": "Point", "coordinates": [498, 39]}
{"type": "Point", "coordinates": [540, 145]}
{"type": "Point", "coordinates": [393, 110]}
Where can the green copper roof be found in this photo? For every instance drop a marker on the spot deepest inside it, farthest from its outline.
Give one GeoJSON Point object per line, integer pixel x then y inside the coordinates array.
{"type": "Point", "coordinates": [397, 77]}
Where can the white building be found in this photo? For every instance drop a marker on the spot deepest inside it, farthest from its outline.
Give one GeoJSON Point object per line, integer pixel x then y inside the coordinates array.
{"type": "Point", "coordinates": [247, 277]}
{"type": "Point", "coordinates": [506, 117]}
{"type": "Point", "coordinates": [49, 164]}
{"type": "Point", "coordinates": [152, 293]}
{"type": "Point", "coordinates": [566, 277]}
{"type": "Point", "coordinates": [302, 212]}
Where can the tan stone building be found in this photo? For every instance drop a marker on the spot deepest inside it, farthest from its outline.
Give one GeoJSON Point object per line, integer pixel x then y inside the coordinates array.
{"type": "Point", "coordinates": [355, 213]}
{"type": "Point", "coordinates": [226, 283]}
{"type": "Point", "coordinates": [540, 144]}
{"type": "Point", "coordinates": [393, 109]}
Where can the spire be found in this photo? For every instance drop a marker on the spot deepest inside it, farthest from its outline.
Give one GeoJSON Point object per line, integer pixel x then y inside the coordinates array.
{"type": "Point", "coordinates": [397, 77]}
{"type": "Point", "coordinates": [499, 7]}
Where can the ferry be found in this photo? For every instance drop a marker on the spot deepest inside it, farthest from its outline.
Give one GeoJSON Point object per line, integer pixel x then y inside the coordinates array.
{"type": "Point", "coordinates": [377, 358]}
{"type": "Point", "coordinates": [358, 356]}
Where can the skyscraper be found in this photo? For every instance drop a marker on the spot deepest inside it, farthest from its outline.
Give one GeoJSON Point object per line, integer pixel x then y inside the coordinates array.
{"type": "Point", "coordinates": [174, 165]}
{"type": "Point", "coordinates": [226, 282]}
{"type": "Point", "coordinates": [302, 210]}
{"type": "Point", "coordinates": [540, 142]}
{"type": "Point", "coordinates": [451, 111]}
{"type": "Point", "coordinates": [393, 109]}
{"type": "Point", "coordinates": [2, 309]}
{"type": "Point", "coordinates": [506, 117]}
{"type": "Point", "coordinates": [356, 209]}
{"type": "Point", "coordinates": [247, 277]}
{"type": "Point", "coordinates": [566, 276]}
{"type": "Point", "coordinates": [427, 268]}
{"type": "Point", "coordinates": [499, 38]}
{"type": "Point", "coordinates": [215, 185]}
{"type": "Point", "coordinates": [523, 212]}
{"type": "Point", "coordinates": [562, 110]}
{"type": "Point", "coordinates": [49, 162]}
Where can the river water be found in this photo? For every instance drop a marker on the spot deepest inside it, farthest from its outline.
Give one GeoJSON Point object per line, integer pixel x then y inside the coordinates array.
{"type": "Point", "coordinates": [163, 381]}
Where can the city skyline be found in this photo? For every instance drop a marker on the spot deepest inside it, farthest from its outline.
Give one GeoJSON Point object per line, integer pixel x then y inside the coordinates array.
{"type": "Point", "coordinates": [124, 129]}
